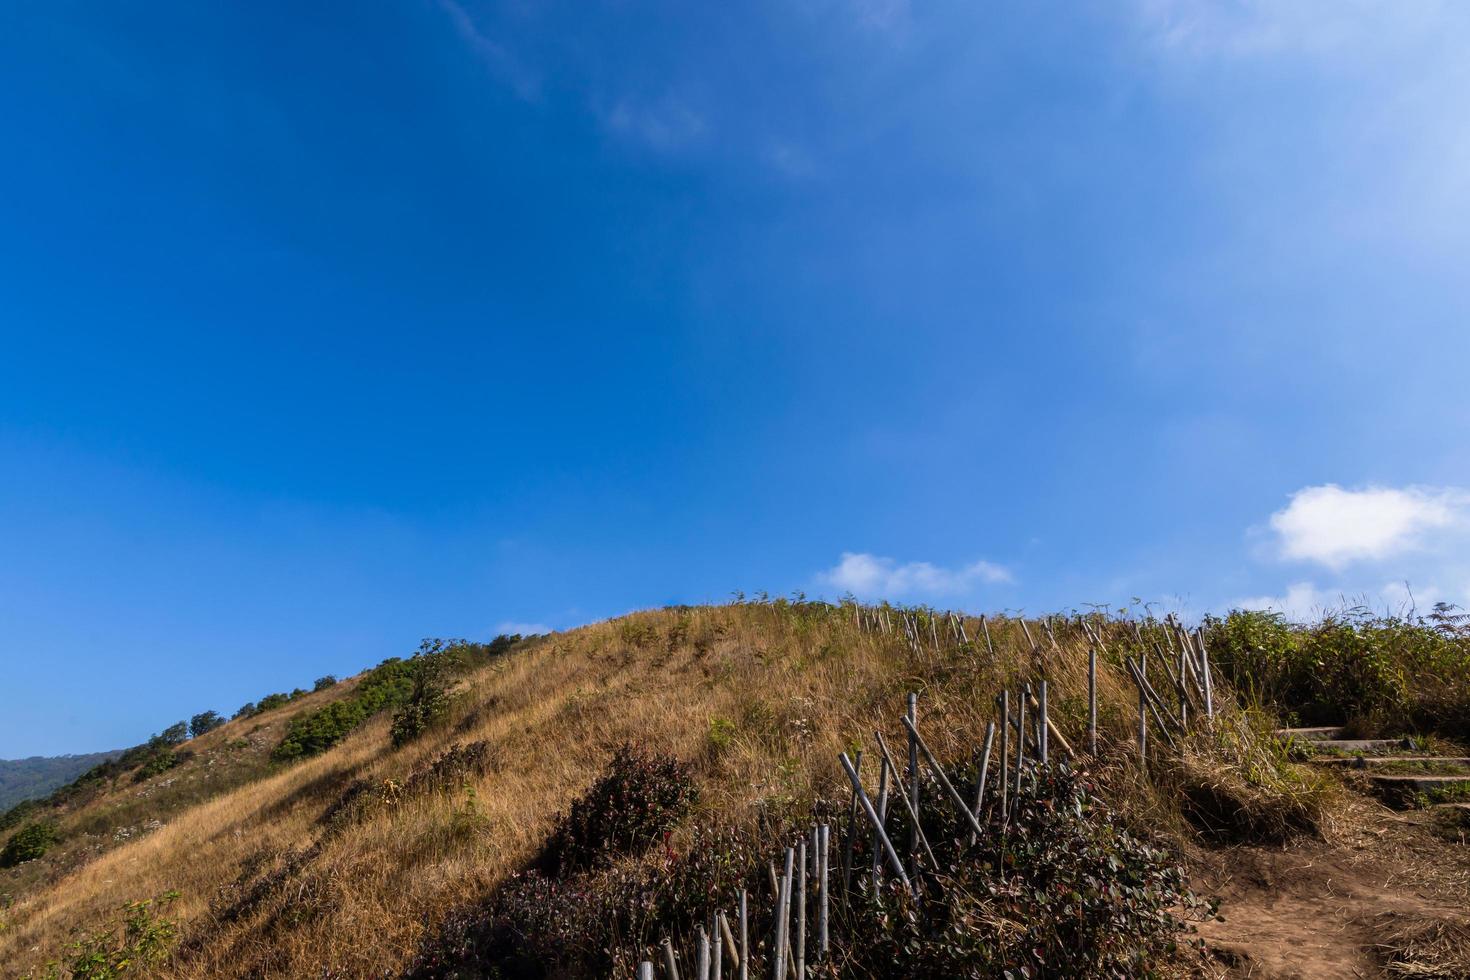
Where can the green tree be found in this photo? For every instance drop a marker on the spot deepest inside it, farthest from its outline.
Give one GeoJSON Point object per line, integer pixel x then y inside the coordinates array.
{"type": "Point", "coordinates": [205, 721]}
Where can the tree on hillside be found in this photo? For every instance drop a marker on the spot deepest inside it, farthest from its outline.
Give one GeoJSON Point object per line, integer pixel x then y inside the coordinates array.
{"type": "Point", "coordinates": [205, 721]}
{"type": "Point", "coordinates": [175, 734]}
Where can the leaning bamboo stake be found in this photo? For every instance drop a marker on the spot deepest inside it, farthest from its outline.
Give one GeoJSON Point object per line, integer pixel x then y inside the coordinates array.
{"type": "Point", "coordinates": [1092, 701]}
{"type": "Point", "coordinates": [873, 819]}
{"type": "Point", "coordinates": [732, 949]}
{"type": "Point", "coordinates": [1053, 733]}
{"type": "Point", "coordinates": [852, 812]}
{"type": "Point", "coordinates": [1025, 629]}
{"type": "Point", "coordinates": [1160, 709]}
{"type": "Point", "coordinates": [1204, 661]}
{"type": "Point", "coordinates": [944, 782]}
{"type": "Point", "coordinates": [984, 772]}
{"type": "Point", "coordinates": [989, 647]}
{"type": "Point", "coordinates": [671, 968]}
{"type": "Point", "coordinates": [701, 969]}
{"type": "Point", "coordinates": [903, 797]}
{"type": "Point", "coordinates": [1148, 698]}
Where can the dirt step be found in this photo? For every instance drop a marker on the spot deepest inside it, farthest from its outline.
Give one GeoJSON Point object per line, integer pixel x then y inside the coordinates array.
{"type": "Point", "coordinates": [1309, 734]}
{"type": "Point", "coordinates": [1424, 783]}
{"type": "Point", "coordinates": [1367, 761]}
{"type": "Point", "coordinates": [1360, 744]}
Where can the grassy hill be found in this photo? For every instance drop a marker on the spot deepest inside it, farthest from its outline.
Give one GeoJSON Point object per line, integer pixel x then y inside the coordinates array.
{"type": "Point", "coordinates": [412, 820]}
{"type": "Point", "coordinates": [38, 775]}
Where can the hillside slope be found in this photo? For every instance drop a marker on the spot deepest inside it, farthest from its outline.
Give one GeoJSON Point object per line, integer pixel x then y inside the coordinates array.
{"type": "Point", "coordinates": [349, 863]}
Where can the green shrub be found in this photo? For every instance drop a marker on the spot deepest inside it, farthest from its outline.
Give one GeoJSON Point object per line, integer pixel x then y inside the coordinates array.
{"type": "Point", "coordinates": [322, 683]}
{"type": "Point", "coordinates": [1380, 674]}
{"type": "Point", "coordinates": [638, 797]}
{"type": "Point", "coordinates": [417, 684]}
{"type": "Point", "coordinates": [159, 762]}
{"type": "Point", "coordinates": [1063, 891]}
{"type": "Point", "coordinates": [30, 842]}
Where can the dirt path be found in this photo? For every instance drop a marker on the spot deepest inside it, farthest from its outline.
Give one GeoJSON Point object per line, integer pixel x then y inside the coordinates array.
{"type": "Point", "coordinates": [1384, 895]}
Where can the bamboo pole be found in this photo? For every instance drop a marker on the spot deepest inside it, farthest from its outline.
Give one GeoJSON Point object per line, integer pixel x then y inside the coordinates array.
{"type": "Point", "coordinates": [1204, 660]}
{"type": "Point", "coordinates": [913, 774]}
{"type": "Point", "coordinates": [823, 833]}
{"type": "Point", "coordinates": [801, 880]}
{"type": "Point", "coordinates": [873, 818]}
{"type": "Point", "coordinates": [989, 647]}
{"type": "Point", "coordinates": [701, 969]}
{"type": "Point", "coordinates": [1148, 698]}
{"type": "Point", "coordinates": [1005, 754]}
{"type": "Point", "coordinates": [783, 917]}
{"type": "Point", "coordinates": [1042, 724]}
{"type": "Point", "coordinates": [852, 812]}
{"type": "Point", "coordinates": [732, 949]}
{"type": "Point", "coordinates": [1021, 731]}
{"type": "Point", "coordinates": [1092, 701]}
{"type": "Point", "coordinates": [904, 798]}
{"type": "Point", "coordinates": [717, 957]}
{"type": "Point", "coordinates": [944, 782]}
{"type": "Point", "coordinates": [984, 772]}
{"type": "Point", "coordinates": [671, 968]}
{"type": "Point", "coordinates": [645, 970]}
{"type": "Point", "coordinates": [877, 861]}
{"type": "Point", "coordinates": [744, 963]}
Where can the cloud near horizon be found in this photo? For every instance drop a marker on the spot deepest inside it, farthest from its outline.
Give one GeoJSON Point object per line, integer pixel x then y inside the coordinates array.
{"type": "Point", "coordinates": [1392, 549]}
{"type": "Point", "coordinates": [870, 576]}
{"type": "Point", "coordinates": [509, 627]}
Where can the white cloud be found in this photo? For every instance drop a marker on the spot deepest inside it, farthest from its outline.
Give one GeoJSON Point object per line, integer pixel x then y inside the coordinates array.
{"type": "Point", "coordinates": [1336, 527]}
{"type": "Point", "coordinates": [524, 629]}
{"type": "Point", "coordinates": [872, 577]}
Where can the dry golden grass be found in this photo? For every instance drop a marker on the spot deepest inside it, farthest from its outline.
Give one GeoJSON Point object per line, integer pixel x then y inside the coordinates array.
{"type": "Point", "coordinates": [792, 685]}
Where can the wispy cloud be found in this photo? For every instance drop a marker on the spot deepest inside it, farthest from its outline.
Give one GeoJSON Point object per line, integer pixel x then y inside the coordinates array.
{"type": "Point", "coordinates": [665, 125]}
{"type": "Point", "coordinates": [496, 56]}
{"type": "Point", "coordinates": [872, 577]}
{"type": "Point", "coordinates": [1335, 527]}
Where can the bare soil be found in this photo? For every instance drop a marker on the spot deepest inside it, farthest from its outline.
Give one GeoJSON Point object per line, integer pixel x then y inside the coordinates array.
{"type": "Point", "coordinates": [1383, 894]}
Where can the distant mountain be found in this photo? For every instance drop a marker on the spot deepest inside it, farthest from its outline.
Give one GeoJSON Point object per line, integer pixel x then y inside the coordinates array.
{"type": "Point", "coordinates": [28, 779]}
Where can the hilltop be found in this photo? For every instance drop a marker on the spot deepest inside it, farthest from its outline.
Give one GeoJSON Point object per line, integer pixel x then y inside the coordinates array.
{"type": "Point", "coordinates": [561, 803]}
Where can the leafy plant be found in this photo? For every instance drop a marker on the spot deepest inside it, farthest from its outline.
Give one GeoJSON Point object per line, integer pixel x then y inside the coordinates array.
{"type": "Point", "coordinates": [27, 844]}
{"type": "Point", "coordinates": [145, 940]}
{"type": "Point", "coordinates": [639, 796]}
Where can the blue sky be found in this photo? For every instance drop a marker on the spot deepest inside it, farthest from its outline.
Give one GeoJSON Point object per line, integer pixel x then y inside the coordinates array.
{"type": "Point", "coordinates": [324, 329]}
